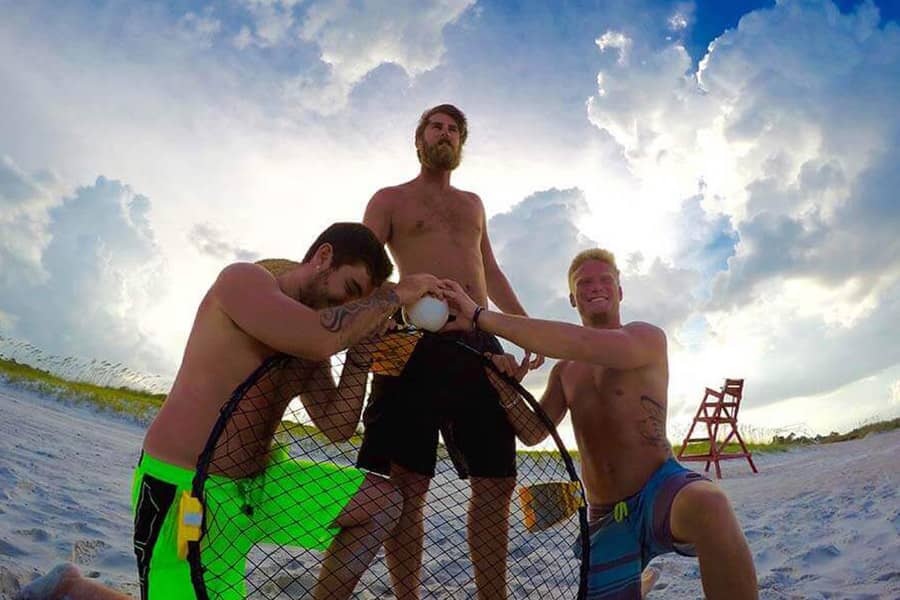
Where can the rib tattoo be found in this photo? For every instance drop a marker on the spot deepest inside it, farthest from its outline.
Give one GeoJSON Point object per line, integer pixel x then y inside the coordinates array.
{"type": "Point", "coordinates": [653, 427]}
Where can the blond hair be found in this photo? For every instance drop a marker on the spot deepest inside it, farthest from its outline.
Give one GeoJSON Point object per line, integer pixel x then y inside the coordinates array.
{"type": "Point", "coordinates": [582, 257]}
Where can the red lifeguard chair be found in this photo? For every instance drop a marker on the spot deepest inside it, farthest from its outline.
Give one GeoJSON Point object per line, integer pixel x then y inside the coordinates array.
{"type": "Point", "coordinates": [719, 408]}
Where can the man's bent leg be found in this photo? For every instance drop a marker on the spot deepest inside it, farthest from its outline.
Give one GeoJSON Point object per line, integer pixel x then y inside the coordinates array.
{"type": "Point", "coordinates": [66, 582]}
{"type": "Point", "coordinates": [701, 515]}
{"type": "Point", "coordinates": [366, 521]}
{"type": "Point", "coordinates": [403, 549]}
{"type": "Point", "coordinates": [489, 534]}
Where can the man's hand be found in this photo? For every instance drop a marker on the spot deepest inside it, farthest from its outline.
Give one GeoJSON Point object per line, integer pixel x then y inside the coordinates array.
{"type": "Point", "coordinates": [506, 364]}
{"type": "Point", "coordinates": [413, 287]}
{"type": "Point", "coordinates": [462, 307]}
{"type": "Point", "coordinates": [536, 362]}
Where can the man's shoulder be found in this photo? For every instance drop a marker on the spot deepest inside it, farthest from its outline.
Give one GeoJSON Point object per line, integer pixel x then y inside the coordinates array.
{"type": "Point", "coordinates": [643, 328]}
{"type": "Point", "coordinates": [243, 271]}
{"type": "Point", "coordinates": [467, 194]}
{"type": "Point", "coordinates": [238, 278]}
{"type": "Point", "coordinates": [394, 191]}
{"type": "Point", "coordinates": [388, 198]}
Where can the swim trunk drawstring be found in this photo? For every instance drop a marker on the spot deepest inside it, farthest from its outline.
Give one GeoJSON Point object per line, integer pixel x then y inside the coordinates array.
{"type": "Point", "coordinates": [620, 512]}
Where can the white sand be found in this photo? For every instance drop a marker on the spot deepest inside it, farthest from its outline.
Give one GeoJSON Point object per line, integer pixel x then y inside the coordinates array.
{"type": "Point", "coordinates": [822, 522]}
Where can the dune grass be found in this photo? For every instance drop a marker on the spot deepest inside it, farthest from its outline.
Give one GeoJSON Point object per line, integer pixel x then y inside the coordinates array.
{"type": "Point", "coordinates": [144, 405]}
{"type": "Point", "coordinates": [854, 434]}
{"type": "Point", "coordinates": [122, 400]}
{"type": "Point", "coordinates": [753, 447]}
{"type": "Point", "coordinates": [776, 443]}
{"type": "Point", "coordinates": [295, 430]}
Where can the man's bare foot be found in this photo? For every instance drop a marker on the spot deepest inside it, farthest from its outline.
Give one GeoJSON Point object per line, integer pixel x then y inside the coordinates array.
{"type": "Point", "coordinates": [648, 579]}
{"type": "Point", "coordinates": [52, 586]}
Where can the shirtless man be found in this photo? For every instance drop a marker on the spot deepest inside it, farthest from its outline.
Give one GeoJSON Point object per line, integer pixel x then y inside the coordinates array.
{"type": "Point", "coordinates": [614, 380]}
{"type": "Point", "coordinates": [325, 304]}
{"type": "Point", "coordinates": [433, 227]}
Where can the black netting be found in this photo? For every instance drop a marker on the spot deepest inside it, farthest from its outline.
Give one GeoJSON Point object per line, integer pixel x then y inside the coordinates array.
{"type": "Point", "coordinates": [280, 466]}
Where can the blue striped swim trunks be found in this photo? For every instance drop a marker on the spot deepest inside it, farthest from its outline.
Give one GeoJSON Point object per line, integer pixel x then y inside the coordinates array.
{"type": "Point", "coordinates": [626, 535]}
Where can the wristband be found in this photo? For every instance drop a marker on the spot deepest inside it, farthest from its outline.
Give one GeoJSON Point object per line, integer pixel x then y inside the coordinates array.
{"type": "Point", "coordinates": [475, 315]}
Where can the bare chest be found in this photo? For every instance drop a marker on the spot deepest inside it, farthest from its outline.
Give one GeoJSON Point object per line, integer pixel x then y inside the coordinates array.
{"type": "Point", "coordinates": [453, 215]}
{"type": "Point", "coordinates": [593, 387]}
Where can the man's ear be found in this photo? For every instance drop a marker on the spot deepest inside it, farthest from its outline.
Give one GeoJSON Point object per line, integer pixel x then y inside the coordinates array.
{"type": "Point", "coordinates": [572, 299]}
{"type": "Point", "coordinates": [323, 256]}
{"type": "Point", "coordinates": [621, 295]}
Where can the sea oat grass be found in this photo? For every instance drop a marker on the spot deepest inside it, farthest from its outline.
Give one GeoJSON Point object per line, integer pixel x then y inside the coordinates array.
{"type": "Point", "coordinates": [122, 400]}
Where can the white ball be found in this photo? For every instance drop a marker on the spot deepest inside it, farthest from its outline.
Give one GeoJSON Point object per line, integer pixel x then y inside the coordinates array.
{"type": "Point", "coordinates": [427, 313]}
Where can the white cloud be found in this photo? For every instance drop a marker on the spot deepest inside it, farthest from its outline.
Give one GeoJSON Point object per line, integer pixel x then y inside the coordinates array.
{"type": "Point", "coordinates": [208, 240]}
{"type": "Point", "coordinates": [201, 28]}
{"type": "Point", "coordinates": [678, 21]}
{"type": "Point", "coordinates": [24, 202]}
{"type": "Point", "coordinates": [658, 293]}
{"type": "Point", "coordinates": [682, 17]}
{"type": "Point", "coordinates": [353, 39]}
{"type": "Point", "coordinates": [756, 192]}
{"type": "Point", "coordinates": [616, 40]}
{"type": "Point", "coordinates": [100, 271]}
{"type": "Point", "coordinates": [790, 124]}
{"type": "Point", "coordinates": [535, 241]}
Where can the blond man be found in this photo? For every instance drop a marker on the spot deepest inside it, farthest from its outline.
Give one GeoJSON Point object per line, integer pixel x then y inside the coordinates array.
{"type": "Point", "coordinates": [613, 379]}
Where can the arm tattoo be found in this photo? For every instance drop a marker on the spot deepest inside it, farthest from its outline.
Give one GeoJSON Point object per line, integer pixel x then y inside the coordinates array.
{"type": "Point", "coordinates": [363, 313]}
{"type": "Point", "coordinates": [653, 426]}
{"type": "Point", "coordinates": [337, 318]}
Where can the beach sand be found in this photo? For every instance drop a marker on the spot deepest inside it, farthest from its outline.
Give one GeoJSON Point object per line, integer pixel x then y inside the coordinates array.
{"type": "Point", "coordinates": [822, 522]}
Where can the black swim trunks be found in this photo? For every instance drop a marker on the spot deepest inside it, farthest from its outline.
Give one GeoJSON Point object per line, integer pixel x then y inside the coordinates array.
{"type": "Point", "coordinates": [442, 388]}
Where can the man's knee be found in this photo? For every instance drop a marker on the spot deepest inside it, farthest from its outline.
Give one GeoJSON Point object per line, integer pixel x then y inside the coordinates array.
{"type": "Point", "coordinates": [700, 511]}
{"type": "Point", "coordinates": [491, 489]}
{"type": "Point", "coordinates": [390, 503]}
{"type": "Point", "coordinates": [412, 486]}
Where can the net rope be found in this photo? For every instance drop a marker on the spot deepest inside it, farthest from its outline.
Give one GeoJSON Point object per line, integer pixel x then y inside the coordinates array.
{"type": "Point", "coordinates": [279, 466]}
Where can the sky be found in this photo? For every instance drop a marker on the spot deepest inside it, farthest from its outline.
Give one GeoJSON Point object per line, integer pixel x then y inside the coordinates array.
{"type": "Point", "coordinates": [739, 158]}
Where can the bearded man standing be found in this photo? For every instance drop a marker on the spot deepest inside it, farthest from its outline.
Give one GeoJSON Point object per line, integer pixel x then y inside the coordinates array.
{"type": "Point", "coordinates": [432, 227]}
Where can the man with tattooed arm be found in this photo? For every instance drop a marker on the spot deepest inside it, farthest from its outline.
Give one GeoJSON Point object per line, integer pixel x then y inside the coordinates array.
{"type": "Point", "coordinates": [312, 310]}
{"type": "Point", "coordinates": [613, 378]}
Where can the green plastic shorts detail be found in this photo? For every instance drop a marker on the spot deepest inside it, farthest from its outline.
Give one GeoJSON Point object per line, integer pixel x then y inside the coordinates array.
{"type": "Point", "coordinates": [291, 503]}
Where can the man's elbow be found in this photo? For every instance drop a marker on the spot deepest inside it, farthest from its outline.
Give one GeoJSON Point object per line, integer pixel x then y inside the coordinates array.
{"type": "Point", "coordinates": [533, 437]}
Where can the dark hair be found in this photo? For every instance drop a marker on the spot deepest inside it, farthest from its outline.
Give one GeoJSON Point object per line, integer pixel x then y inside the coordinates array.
{"type": "Point", "coordinates": [352, 244]}
{"type": "Point", "coordinates": [452, 112]}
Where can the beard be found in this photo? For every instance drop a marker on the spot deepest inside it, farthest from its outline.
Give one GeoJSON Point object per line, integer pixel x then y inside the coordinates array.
{"type": "Point", "coordinates": [441, 156]}
{"type": "Point", "coordinates": [315, 295]}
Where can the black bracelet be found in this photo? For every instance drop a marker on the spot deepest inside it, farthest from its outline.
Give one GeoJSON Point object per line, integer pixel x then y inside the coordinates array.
{"type": "Point", "coordinates": [475, 315]}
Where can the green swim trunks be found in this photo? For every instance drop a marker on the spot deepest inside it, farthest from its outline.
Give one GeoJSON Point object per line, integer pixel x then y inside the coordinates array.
{"type": "Point", "coordinates": [291, 503]}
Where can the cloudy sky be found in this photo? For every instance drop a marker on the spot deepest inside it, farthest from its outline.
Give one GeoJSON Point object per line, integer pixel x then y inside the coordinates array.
{"type": "Point", "coordinates": [738, 157]}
